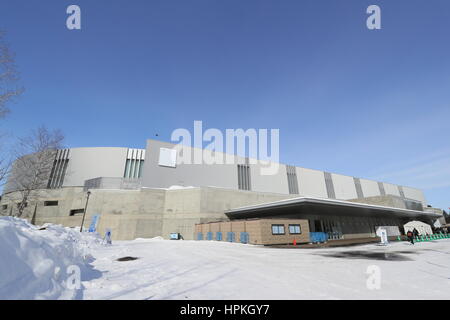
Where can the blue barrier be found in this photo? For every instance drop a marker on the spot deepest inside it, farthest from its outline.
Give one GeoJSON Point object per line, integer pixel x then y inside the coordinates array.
{"type": "Point", "coordinates": [244, 237]}
{"type": "Point", "coordinates": [219, 236]}
{"type": "Point", "coordinates": [199, 236]}
{"type": "Point", "coordinates": [209, 236]}
{"type": "Point", "coordinates": [230, 236]}
{"type": "Point", "coordinates": [316, 237]}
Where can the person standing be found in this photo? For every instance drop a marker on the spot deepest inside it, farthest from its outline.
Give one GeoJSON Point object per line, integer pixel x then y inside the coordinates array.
{"type": "Point", "coordinates": [410, 236]}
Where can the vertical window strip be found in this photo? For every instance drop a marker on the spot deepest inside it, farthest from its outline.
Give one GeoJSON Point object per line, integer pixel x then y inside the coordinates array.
{"type": "Point", "coordinates": [59, 168]}
{"type": "Point", "coordinates": [400, 190]}
{"type": "Point", "coordinates": [52, 173]}
{"type": "Point", "coordinates": [127, 169]}
{"type": "Point", "coordinates": [381, 187]}
{"type": "Point", "coordinates": [358, 187]}
{"type": "Point", "coordinates": [249, 178]}
{"type": "Point", "coordinates": [292, 179]}
{"type": "Point", "coordinates": [329, 185]}
{"type": "Point", "coordinates": [66, 162]}
{"type": "Point", "coordinates": [133, 168]}
{"type": "Point", "coordinates": [239, 176]}
{"type": "Point", "coordinates": [140, 169]}
{"type": "Point", "coordinates": [247, 167]}
{"type": "Point", "coordinates": [57, 172]}
{"type": "Point", "coordinates": [244, 181]}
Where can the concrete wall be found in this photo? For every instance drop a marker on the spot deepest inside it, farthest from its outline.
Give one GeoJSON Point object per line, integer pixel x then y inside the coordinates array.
{"type": "Point", "coordinates": [387, 201]}
{"type": "Point", "coordinates": [143, 213]}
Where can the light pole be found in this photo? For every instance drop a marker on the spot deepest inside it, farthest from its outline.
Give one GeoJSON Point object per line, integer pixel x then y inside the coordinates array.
{"type": "Point", "coordinates": [85, 208]}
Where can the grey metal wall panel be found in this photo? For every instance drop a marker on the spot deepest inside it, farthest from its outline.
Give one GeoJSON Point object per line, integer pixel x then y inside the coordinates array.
{"type": "Point", "coordinates": [291, 173]}
{"type": "Point", "coordinates": [381, 187]}
{"type": "Point", "coordinates": [358, 187]}
{"type": "Point", "coordinates": [329, 184]}
{"type": "Point", "coordinates": [400, 190]}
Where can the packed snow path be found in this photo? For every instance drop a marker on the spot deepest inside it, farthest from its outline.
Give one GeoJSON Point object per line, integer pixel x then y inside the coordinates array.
{"type": "Point", "coordinates": [167, 269]}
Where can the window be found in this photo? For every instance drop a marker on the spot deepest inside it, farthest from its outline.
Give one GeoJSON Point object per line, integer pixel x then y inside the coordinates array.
{"type": "Point", "coordinates": [358, 187]}
{"type": "Point", "coordinates": [59, 169]}
{"type": "Point", "coordinates": [244, 182]}
{"type": "Point", "coordinates": [134, 163]}
{"type": "Point", "coordinates": [292, 179]}
{"type": "Point", "coordinates": [295, 229]}
{"type": "Point", "coordinates": [50, 203]}
{"type": "Point", "coordinates": [25, 204]}
{"type": "Point", "coordinates": [4, 207]}
{"type": "Point", "coordinates": [278, 229]}
{"type": "Point", "coordinates": [76, 211]}
{"type": "Point", "coordinates": [329, 185]}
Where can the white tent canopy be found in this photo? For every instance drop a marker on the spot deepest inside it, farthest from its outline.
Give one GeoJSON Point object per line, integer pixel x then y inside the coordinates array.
{"type": "Point", "coordinates": [422, 227]}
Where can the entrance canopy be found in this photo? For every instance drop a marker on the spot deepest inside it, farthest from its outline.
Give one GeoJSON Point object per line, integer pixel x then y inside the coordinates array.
{"type": "Point", "coordinates": [326, 207]}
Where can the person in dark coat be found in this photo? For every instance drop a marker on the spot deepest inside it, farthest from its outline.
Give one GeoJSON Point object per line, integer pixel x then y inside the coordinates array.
{"type": "Point", "coordinates": [410, 236]}
{"type": "Point", "coordinates": [415, 233]}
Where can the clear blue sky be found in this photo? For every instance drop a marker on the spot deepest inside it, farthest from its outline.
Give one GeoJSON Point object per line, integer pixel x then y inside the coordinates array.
{"type": "Point", "coordinates": [374, 104]}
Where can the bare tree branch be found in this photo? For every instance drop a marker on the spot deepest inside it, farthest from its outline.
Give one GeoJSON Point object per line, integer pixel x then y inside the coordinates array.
{"type": "Point", "coordinates": [8, 76]}
{"type": "Point", "coordinates": [34, 156]}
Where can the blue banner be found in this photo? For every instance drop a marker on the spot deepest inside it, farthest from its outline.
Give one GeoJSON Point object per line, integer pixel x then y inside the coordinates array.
{"type": "Point", "coordinates": [94, 223]}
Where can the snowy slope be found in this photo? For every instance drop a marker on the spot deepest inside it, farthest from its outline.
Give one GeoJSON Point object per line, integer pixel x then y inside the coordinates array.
{"type": "Point", "coordinates": [34, 263]}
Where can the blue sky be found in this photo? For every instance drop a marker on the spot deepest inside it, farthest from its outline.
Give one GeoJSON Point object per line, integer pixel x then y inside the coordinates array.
{"type": "Point", "coordinates": [373, 104]}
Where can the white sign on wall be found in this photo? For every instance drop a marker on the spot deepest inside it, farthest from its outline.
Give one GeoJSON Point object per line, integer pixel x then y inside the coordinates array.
{"type": "Point", "coordinates": [167, 157]}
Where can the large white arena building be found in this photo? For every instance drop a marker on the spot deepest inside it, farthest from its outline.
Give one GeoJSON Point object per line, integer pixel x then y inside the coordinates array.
{"type": "Point", "coordinates": [149, 192]}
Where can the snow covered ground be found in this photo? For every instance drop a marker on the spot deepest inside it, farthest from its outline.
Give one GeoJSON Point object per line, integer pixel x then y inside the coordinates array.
{"type": "Point", "coordinates": [167, 269]}
{"type": "Point", "coordinates": [219, 270]}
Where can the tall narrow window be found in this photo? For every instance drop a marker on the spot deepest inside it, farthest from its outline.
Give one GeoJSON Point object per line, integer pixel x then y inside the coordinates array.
{"type": "Point", "coordinates": [141, 168]}
{"type": "Point", "coordinates": [292, 179]}
{"type": "Point", "coordinates": [134, 163]}
{"type": "Point", "coordinates": [127, 169]}
{"type": "Point", "coordinates": [381, 187]}
{"type": "Point", "coordinates": [358, 187]}
{"type": "Point", "coordinates": [59, 169]}
{"type": "Point", "coordinates": [400, 190]}
{"type": "Point", "coordinates": [244, 182]}
{"type": "Point", "coordinates": [329, 184]}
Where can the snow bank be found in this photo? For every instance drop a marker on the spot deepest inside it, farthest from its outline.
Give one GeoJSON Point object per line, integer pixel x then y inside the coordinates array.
{"type": "Point", "coordinates": [38, 264]}
{"type": "Point", "coordinates": [175, 187]}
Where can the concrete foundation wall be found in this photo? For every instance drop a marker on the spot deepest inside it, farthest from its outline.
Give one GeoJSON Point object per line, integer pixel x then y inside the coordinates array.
{"type": "Point", "coordinates": [131, 214]}
{"type": "Point", "coordinates": [386, 201]}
